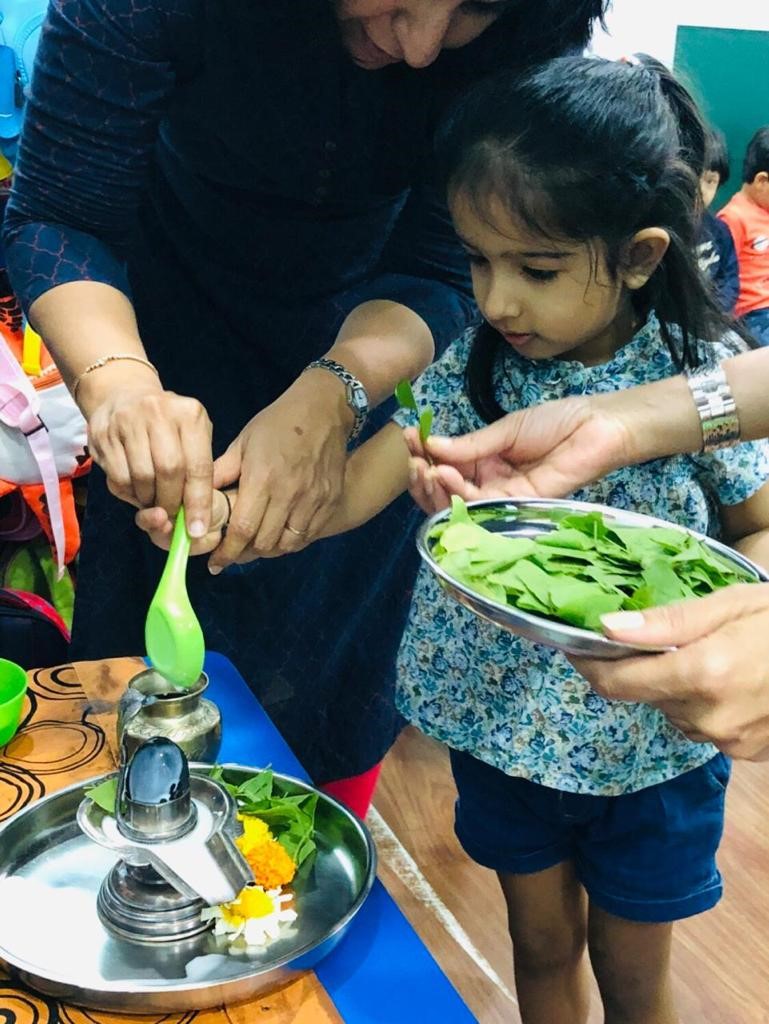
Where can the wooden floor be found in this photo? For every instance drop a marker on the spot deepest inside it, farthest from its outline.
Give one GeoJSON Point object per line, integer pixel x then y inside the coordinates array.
{"type": "Point", "coordinates": [721, 959]}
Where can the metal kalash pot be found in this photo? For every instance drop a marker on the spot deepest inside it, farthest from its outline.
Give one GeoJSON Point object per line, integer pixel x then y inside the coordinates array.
{"type": "Point", "coordinates": [151, 706]}
{"type": "Point", "coordinates": [175, 837]}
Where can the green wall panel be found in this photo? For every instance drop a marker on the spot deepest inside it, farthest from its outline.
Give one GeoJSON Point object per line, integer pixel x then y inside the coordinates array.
{"type": "Point", "coordinates": [728, 70]}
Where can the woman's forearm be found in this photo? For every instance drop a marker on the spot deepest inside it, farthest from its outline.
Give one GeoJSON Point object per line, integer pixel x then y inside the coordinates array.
{"type": "Point", "coordinates": [83, 321]}
{"type": "Point", "coordinates": [661, 419]}
{"type": "Point", "coordinates": [383, 342]}
{"type": "Point", "coordinates": [748, 376]}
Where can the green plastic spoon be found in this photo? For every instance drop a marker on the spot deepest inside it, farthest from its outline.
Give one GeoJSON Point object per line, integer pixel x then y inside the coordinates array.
{"type": "Point", "coordinates": [172, 633]}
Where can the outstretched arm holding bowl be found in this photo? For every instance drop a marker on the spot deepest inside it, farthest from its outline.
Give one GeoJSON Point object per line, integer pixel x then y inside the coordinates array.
{"type": "Point", "coordinates": [716, 684]}
{"type": "Point", "coordinates": [548, 451]}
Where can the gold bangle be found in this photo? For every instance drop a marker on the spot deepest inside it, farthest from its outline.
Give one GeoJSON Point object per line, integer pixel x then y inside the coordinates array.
{"type": "Point", "coordinates": [110, 359]}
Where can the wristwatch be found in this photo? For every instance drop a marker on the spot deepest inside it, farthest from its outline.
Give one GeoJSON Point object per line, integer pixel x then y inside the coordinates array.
{"type": "Point", "coordinates": [357, 396]}
{"type": "Point", "coordinates": [715, 406]}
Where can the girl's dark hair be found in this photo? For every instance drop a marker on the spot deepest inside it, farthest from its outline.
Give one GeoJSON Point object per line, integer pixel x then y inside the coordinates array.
{"type": "Point", "coordinates": [589, 150]}
{"type": "Point", "coordinates": [717, 155]}
{"type": "Point", "coordinates": [757, 155]}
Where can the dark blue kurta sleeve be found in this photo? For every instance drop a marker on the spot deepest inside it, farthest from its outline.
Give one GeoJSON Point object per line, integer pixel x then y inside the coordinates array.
{"type": "Point", "coordinates": [103, 77]}
{"type": "Point", "coordinates": [425, 268]}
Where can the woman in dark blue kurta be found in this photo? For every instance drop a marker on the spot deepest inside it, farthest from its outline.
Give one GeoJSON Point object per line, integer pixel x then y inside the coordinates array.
{"type": "Point", "coordinates": [228, 166]}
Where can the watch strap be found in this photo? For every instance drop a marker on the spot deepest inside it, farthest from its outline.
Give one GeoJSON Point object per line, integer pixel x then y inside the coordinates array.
{"type": "Point", "coordinates": [715, 406]}
{"type": "Point", "coordinates": [357, 396]}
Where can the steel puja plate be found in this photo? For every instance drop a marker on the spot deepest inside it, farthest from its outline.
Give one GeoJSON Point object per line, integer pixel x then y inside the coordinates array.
{"type": "Point", "coordinates": [52, 939]}
{"type": "Point", "coordinates": [533, 518]}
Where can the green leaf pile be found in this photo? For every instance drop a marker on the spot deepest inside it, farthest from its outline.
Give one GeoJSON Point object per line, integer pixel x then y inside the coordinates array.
{"type": "Point", "coordinates": [406, 400]}
{"type": "Point", "coordinates": [583, 569]}
{"type": "Point", "coordinates": [291, 819]}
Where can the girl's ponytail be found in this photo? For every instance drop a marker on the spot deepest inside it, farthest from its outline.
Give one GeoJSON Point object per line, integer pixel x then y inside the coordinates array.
{"type": "Point", "coordinates": [693, 132]}
{"type": "Point", "coordinates": [680, 294]}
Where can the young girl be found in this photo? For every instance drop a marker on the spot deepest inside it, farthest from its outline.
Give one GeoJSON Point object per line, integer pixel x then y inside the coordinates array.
{"type": "Point", "coordinates": [574, 191]}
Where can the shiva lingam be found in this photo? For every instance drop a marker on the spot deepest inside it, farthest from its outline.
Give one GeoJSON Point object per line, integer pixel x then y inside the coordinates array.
{"type": "Point", "coordinates": [175, 835]}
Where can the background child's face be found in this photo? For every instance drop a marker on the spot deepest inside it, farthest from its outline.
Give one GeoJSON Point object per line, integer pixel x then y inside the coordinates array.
{"type": "Point", "coordinates": [546, 298]}
{"type": "Point", "coordinates": [758, 189]}
{"type": "Point", "coordinates": [709, 182]}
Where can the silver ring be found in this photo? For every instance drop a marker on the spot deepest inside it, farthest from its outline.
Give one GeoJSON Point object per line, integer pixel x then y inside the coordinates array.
{"type": "Point", "coordinates": [296, 533]}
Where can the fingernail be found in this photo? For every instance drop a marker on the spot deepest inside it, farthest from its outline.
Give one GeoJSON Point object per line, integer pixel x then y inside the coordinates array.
{"type": "Point", "coordinates": [197, 528]}
{"type": "Point", "coordinates": [440, 442]}
{"type": "Point", "coordinates": [412, 473]}
{"type": "Point", "coordinates": [623, 620]}
{"type": "Point", "coordinates": [215, 569]}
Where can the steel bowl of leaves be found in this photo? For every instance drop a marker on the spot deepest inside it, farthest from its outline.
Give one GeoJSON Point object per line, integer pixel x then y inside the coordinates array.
{"type": "Point", "coordinates": [548, 570]}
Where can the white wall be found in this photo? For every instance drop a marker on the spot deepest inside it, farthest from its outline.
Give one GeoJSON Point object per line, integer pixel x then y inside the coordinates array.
{"type": "Point", "coordinates": [649, 26]}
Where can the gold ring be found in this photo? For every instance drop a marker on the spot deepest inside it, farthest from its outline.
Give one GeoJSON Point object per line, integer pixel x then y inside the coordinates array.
{"type": "Point", "coordinates": [296, 533]}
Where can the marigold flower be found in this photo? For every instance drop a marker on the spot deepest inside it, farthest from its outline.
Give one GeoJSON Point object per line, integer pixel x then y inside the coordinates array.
{"type": "Point", "coordinates": [271, 864]}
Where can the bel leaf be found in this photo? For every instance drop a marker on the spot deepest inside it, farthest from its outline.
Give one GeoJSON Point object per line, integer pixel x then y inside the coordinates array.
{"type": "Point", "coordinates": [425, 424]}
{"type": "Point", "coordinates": [405, 397]}
{"type": "Point", "coordinates": [104, 794]}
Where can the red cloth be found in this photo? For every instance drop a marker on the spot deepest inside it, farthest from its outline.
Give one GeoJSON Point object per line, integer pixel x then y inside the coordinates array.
{"type": "Point", "coordinates": [357, 792]}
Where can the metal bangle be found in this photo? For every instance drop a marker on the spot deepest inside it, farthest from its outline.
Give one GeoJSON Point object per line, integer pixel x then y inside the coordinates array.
{"type": "Point", "coordinates": [715, 406]}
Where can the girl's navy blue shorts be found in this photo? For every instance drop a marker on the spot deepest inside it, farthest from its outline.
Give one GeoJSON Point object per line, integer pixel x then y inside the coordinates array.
{"type": "Point", "coordinates": [644, 856]}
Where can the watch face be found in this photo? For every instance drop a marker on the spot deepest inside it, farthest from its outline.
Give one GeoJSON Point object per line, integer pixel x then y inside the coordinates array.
{"type": "Point", "coordinates": [358, 399]}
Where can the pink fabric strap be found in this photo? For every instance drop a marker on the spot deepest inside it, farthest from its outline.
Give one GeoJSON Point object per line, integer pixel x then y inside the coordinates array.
{"type": "Point", "coordinates": [20, 408]}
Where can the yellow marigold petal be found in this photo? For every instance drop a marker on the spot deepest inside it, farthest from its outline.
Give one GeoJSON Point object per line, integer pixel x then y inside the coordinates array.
{"type": "Point", "coordinates": [255, 832]}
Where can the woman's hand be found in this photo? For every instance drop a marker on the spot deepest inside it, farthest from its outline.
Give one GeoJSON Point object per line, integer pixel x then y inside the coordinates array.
{"type": "Point", "coordinates": [289, 462]}
{"type": "Point", "coordinates": [153, 445]}
{"type": "Point", "coordinates": [716, 685]}
{"type": "Point", "coordinates": [546, 451]}
{"type": "Point", "coordinates": [156, 523]}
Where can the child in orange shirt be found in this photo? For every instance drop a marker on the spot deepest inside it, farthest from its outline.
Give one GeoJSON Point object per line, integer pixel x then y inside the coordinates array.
{"type": "Point", "coordinates": [747, 216]}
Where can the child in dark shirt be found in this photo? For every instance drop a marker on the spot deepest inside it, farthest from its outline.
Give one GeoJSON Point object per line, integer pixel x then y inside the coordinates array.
{"type": "Point", "coordinates": [715, 249]}
{"type": "Point", "coordinates": [747, 217]}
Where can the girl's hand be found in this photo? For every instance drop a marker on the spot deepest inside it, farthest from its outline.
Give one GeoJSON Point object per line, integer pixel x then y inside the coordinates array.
{"type": "Point", "coordinates": [153, 445]}
{"type": "Point", "coordinates": [157, 523]}
{"type": "Point", "coordinates": [716, 685]}
{"type": "Point", "coordinates": [424, 486]}
{"type": "Point", "coordinates": [289, 463]}
{"type": "Point", "coordinates": [546, 451]}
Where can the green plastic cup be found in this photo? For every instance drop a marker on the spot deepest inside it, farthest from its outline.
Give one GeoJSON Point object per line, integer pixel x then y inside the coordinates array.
{"type": "Point", "coordinates": [13, 687]}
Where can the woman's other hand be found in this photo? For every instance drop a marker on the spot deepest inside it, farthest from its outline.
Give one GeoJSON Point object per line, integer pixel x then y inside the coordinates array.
{"type": "Point", "coordinates": [716, 685]}
{"type": "Point", "coordinates": [289, 463]}
{"type": "Point", "coordinates": [154, 446]}
{"type": "Point", "coordinates": [546, 451]}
